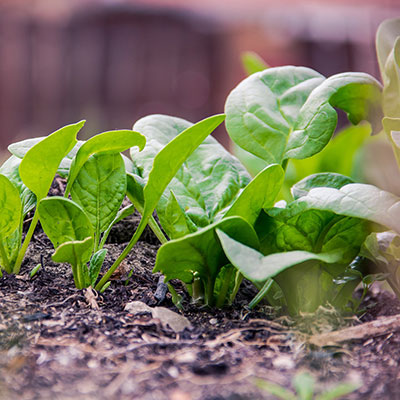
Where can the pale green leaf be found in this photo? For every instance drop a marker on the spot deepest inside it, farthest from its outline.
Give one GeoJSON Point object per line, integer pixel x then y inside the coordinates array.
{"type": "Point", "coordinates": [64, 221]}
{"type": "Point", "coordinates": [10, 207]}
{"type": "Point", "coordinates": [40, 164]}
{"type": "Point", "coordinates": [112, 141]}
{"type": "Point", "coordinates": [258, 268]}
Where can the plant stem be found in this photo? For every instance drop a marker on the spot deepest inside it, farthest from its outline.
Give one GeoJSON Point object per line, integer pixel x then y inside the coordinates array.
{"type": "Point", "coordinates": [28, 237]}
{"type": "Point", "coordinates": [224, 289]}
{"type": "Point", "coordinates": [197, 289]}
{"type": "Point", "coordinates": [238, 282]}
{"type": "Point", "coordinates": [128, 248]}
{"type": "Point", "coordinates": [157, 230]}
{"type": "Point", "coordinates": [4, 257]}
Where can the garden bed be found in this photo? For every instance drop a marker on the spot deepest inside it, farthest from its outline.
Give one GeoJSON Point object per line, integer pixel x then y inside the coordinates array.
{"type": "Point", "coordinates": [57, 342]}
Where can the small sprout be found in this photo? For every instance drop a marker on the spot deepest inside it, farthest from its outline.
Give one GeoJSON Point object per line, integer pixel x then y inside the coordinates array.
{"type": "Point", "coordinates": [105, 286]}
{"type": "Point", "coordinates": [304, 384]}
{"type": "Point", "coordinates": [35, 270]}
{"type": "Point", "coordinates": [128, 278]}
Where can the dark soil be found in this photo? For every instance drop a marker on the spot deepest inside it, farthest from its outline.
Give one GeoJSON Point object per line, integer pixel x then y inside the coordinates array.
{"type": "Point", "coordinates": [56, 344]}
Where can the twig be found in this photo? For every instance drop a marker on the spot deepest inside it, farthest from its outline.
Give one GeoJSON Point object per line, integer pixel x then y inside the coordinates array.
{"type": "Point", "coordinates": [379, 327]}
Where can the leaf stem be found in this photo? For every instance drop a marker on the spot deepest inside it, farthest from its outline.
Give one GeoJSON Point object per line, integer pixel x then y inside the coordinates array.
{"type": "Point", "coordinates": [4, 257]}
{"type": "Point", "coordinates": [224, 289]}
{"type": "Point", "coordinates": [157, 230]}
{"type": "Point", "coordinates": [24, 247]}
{"type": "Point", "coordinates": [128, 248]}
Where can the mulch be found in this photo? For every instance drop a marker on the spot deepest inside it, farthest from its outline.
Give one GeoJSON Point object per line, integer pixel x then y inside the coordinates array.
{"type": "Point", "coordinates": [57, 342]}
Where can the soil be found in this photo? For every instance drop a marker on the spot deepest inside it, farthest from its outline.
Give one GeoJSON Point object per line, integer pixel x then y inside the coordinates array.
{"type": "Point", "coordinates": [57, 342]}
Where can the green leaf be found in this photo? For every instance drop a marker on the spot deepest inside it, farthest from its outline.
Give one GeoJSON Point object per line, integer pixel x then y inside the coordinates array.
{"type": "Point", "coordinates": [262, 110]}
{"type": "Point", "coordinates": [10, 206]}
{"type": "Point", "coordinates": [99, 188]}
{"type": "Point", "coordinates": [356, 200]}
{"type": "Point", "coordinates": [258, 268]}
{"type": "Point", "coordinates": [64, 221]}
{"type": "Point", "coordinates": [169, 160]}
{"type": "Point", "coordinates": [176, 222]}
{"type": "Point", "coordinates": [200, 253]}
{"type": "Point", "coordinates": [304, 385]}
{"type": "Point", "coordinates": [339, 391]}
{"type": "Point", "coordinates": [209, 180]}
{"type": "Point", "coordinates": [324, 179]}
{"type": "Point", "coordinates": [288, 112]}
{"type": "Point", "coordinates": [10, 169]}
{"type": "Point", "coordinates": [358, 94]}
{"type": "Point", "coordinates": [252, 62]}
{"type": "Point", "coordinates": [275, 389]}
{"type": "Point", "coordinates": [260, 192]}
{"type": "Point", "coordinates": [40, 164]}
{"type": "Point", "coordinates": [112, 142]}
{"type": "Point", "coordinates": [95, 265]}
{"type": "Point", "coordinates": [75, 252]}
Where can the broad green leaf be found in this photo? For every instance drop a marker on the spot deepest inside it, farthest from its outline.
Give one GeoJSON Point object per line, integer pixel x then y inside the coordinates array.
{"type": "Point", "coordinates": [10, 207]}
{"type": "Point", "coordinates": [76, 252]}
{"type": "Point", "coordinates": [95, 265]}
{"type": "Point", "coordinates": [324, 179]}
{"type": "Point", "coordinates": [357, 94]}
{"type": "Point", "coordinates": [176, 222]}
{"type": "Point", "coordinates": [40, 164]}
{"type": "Point", "coordinates": [64, 221]}
{"type": "Point", "coordinates": [260, 192]}
{"type": "Point", "coordinates": [356, 200]}
{"type": "Point", "coordinates": [99, 188]}
{"type": "Point", "coordinates": [258, 268]}
{"type": "Point", "coordinates": [10, 169]}
{"type": "Point", "coordinates": [288, 112]}
{"type": "Point", "coordinates": [170, 159]}
{"type": "Point", "coordinates": [208, 181]}
{"type": "Point", "coordinates": [112, 141]}
{"type": "Point", "coordinates": [252, 62]}
{"type": "Point", "coordinates": [262, 110]}
{"type": "Point", "coordinates": [201, 252]}
{"type": "Point", "coordinates": [297, 228]}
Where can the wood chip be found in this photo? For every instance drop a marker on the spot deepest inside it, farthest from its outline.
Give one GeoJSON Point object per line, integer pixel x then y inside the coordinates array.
{"type": "Point", "coordinates": [379, 327]}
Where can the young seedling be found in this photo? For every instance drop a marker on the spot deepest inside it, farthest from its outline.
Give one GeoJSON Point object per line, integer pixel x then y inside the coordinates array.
{"type": "Point", "coordinates": [164, 167]}
{"type": "Point", "coordinates": [78, 228]}
{"type": "Point", "coordinates": [304, 385]}
{"type": "Point", "coordinates": [30, 179]}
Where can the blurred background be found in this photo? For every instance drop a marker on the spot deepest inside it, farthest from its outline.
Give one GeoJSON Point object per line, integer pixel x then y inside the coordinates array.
{"type": "Point", "coordinates": [112, 62]}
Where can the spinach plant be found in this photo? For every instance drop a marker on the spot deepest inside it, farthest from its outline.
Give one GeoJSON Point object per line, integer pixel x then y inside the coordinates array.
{"type": "Point", "coordinates": [164, 166]}
{"type": "Point", "coordinates": [210, 188]}
{"type": "Point", "coordinates": [25, 182]}
{"type": "Point", "coordinates": [367, 201]}
{"type": "Point", "coordinates": [78, 228]}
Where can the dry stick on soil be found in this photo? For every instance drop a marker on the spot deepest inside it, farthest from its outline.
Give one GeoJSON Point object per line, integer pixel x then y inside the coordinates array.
{"type": "Point", "coordinates": [379, 327]}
